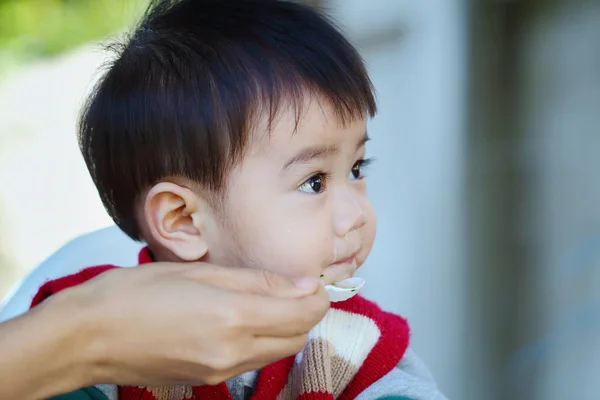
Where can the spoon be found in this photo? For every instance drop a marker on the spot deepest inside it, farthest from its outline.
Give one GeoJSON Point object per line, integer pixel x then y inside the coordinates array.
{"type": "Point", "coordinates": [343, 290]}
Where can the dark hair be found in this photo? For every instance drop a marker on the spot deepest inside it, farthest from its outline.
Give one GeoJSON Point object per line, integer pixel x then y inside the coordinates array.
{"type": "Point", "coordinates": [179, 97]}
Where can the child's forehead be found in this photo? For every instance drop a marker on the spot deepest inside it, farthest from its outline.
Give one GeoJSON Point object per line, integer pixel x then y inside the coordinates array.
{"type": "Point", "coordinates": [314, 138]}
{"type": "Point", "coordinates": [312, 122]}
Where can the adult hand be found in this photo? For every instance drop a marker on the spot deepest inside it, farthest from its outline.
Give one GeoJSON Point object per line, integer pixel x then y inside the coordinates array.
{"type": "Point", "coordinates": [165, 324]}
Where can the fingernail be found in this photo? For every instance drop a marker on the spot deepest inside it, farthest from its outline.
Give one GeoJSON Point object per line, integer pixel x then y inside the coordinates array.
{"type": "Point", "coordinates": [306, 283]}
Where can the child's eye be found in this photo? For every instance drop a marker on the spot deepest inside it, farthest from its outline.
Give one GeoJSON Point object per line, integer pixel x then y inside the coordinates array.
{"type": "Point", "coordinates": [314, 184]}
{"type": "Point", "coordinates": [357, 169]}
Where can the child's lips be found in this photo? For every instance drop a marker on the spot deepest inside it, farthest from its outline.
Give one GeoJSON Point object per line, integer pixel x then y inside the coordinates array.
{"type": "Point", "coordinates": [340, 270]}
{"type": "Point", "coordinates": [348, 260]}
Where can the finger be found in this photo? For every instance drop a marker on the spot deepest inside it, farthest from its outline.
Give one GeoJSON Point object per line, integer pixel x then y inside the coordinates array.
{"type": "Point", "coordinates": [284, 317]}
{"type": "Point", "coordinates": [252, 280]}
{"type": "Point", "coordinates": [265, 350]}
{"type": "Point", "coordinates": [258, 352]}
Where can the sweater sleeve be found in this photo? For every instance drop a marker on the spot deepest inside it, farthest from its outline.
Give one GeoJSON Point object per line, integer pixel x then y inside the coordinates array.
{"type": "Point", "coordinates": [409, 380]}
{"type": "Point", "coordinates": [54, 286]}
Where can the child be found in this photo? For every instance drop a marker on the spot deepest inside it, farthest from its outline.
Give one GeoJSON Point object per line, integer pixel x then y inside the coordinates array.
{"type": "Point", "coordinates": [234, 132]}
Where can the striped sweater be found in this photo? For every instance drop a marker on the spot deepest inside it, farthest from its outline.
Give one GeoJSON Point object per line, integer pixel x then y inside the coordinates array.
{"type": "Point", "coordinates": [356, 352]}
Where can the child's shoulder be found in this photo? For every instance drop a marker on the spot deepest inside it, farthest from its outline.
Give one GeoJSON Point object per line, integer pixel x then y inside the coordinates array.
{"type": "Point", "coordinates": [54, 286]}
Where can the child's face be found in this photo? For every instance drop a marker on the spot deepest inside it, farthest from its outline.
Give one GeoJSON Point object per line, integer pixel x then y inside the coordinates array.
{"type": "Point", "coordinates": [298, 204]}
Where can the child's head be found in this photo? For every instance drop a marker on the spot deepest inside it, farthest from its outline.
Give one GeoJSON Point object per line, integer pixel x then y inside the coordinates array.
{"type": "Point", "coordinates": [233, 131]}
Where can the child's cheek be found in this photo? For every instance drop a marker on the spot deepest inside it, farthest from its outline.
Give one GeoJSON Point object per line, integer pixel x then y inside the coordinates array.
{"type": "Point", "coordinates": [367, 234]}
{"type": "Point", "coordinates": [299, 251]}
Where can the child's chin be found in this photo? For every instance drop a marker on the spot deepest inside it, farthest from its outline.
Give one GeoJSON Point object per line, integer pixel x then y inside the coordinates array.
{"type": "Point", "coordinates": [339, 272]}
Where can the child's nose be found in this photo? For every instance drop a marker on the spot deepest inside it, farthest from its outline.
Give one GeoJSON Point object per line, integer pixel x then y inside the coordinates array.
{"type": "Point", "coordinates": [349, 214]}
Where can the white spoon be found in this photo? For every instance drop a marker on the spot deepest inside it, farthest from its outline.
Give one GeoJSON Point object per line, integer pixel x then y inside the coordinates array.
{"type": "Point", "coordinates": [343, 290]}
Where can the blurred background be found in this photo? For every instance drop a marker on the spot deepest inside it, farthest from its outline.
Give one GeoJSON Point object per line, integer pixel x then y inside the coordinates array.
{"type": "Point", "coordinates": [487, 141]}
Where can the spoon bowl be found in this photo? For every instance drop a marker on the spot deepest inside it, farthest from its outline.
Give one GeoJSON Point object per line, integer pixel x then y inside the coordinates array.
{"type": "Point", "coordinates": [343, 290]}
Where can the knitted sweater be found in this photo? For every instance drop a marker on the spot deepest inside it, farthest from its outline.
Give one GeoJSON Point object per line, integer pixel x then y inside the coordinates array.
{"type": "Point", "coordinates": [356, 351]}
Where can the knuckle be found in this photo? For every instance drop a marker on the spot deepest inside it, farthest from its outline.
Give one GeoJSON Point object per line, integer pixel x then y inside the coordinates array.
{"type": "Point", "coordinates": [215, 378]}
{"type": "Point", "coordinates": [273, 282]}
{"type": "Point", "coordinates": [292, 346]}
{"type": "Point", "coordinates": [212, 380]}
{"type": "Point", "coordinates": [232, 318]}
{"type": "Point", "coordinates": [224, 362]}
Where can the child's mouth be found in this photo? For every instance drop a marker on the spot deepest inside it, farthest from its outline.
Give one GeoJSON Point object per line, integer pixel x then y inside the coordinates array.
{"type": "Point", "coordinates": [340, 270]}
{"type": "Point", "coordinates": [347, 260]}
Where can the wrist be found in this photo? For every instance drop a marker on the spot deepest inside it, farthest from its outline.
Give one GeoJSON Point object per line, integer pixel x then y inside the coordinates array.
{"type": "Point", "coordinates": [44, 352]}
{"type": "Point", "coordinates": [83, 337]}
{"type": "Point", "coordinates": [71, 338]}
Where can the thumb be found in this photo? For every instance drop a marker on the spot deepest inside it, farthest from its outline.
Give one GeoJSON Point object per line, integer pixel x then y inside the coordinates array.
{"type": "Point", "coordinates": [269, 283]}
{"type": "Point", "coordinates": [254, 281]}
{"type": "Point", "coordinates": [307, 286]}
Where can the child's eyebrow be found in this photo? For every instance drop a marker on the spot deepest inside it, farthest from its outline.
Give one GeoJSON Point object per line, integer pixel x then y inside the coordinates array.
{"type": "Point", "coordinates": [363, 140]}
{"type": "Point", "coordinates": [311, 153]}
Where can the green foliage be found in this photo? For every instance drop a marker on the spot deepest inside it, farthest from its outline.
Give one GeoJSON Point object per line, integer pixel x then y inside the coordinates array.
{"type": "Point", "coordinates": [30, 29]}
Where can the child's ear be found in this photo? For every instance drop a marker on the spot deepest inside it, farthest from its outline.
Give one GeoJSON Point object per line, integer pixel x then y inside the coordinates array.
{"type": "Point", "coordinates": [176, 218]}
